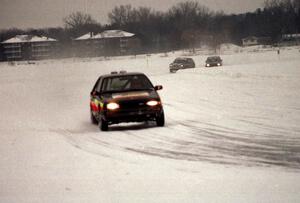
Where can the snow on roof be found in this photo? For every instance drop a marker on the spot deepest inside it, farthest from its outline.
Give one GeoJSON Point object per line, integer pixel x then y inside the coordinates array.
{"type": "Point", "coordinates": [116, 33]}
{"type": "Point", "coordinates": [42, 39]}
{"type": "Point", "coordinates": [106, 34]}
{"type": "Point", "coordinates": [229, 46]}
{"type": "Point", "coordinates": [28, 38]}
{"type": "Point", "coordinates": [85, 36]}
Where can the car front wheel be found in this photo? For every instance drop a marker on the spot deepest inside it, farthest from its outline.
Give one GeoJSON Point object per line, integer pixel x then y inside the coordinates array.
{"type": "Point", "coordinates": [103, 125]}
{"type": "Point", "coordinates": [93, 119]}
{"type": "Point", "coordinates": [160, 120]}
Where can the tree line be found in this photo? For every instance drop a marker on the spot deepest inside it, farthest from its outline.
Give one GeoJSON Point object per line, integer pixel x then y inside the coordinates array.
{"type": "Point", "coordinates": [184, 25]}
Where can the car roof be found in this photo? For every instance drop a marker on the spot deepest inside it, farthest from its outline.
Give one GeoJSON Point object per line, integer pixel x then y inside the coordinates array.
{"type": "Point", "coordinates": [214, 57]}
{"type": "Point", "coordinates": [121, 74]}
{"type": "Point", "coordinates": [183, 58]}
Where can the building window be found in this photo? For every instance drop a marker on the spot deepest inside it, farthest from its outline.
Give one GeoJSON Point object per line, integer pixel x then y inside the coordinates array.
{"type": "Point", "coordinates": [12, 51]}
{"type": "Point", "coordinates": [123, 45]}
{"type": "Point", "coordinates": [40, 49]}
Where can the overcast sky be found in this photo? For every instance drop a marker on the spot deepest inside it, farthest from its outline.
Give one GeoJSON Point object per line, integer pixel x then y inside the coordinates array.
{"type": "Point", "coordinates": [49, 13]}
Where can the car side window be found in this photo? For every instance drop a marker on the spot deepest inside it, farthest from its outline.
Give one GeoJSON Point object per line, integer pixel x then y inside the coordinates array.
{"type": "Point", "coordinates": [95, 86]}
{"type": "Point", "coordinates": [98, 85]}
{"type": "Point", "coordinates": [103, 87]}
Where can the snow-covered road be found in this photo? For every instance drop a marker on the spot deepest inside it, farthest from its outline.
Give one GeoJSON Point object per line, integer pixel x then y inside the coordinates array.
{"type": "Point", "coordinates": [232, 134]}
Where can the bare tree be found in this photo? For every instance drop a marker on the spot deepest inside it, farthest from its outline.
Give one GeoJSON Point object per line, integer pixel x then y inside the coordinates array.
{"type": "Point", "coordinates": [78, 19]}
{"type": "Point", "coordinates": [283, 15]}
{"type": "Point", "coordinates": [79, 23]}
{"type": "Point", "coordinates": [121, 15]}
{"type": "Point", "coordinates": [188, 14]}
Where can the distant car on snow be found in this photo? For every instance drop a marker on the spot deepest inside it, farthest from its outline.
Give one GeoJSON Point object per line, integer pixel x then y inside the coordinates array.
{"type": "Point", "coordinates": [213, 61]}
{"type": "Point", "coordinates": [125, 97]}
{"type": "Point", "coordinates": [181, 63]}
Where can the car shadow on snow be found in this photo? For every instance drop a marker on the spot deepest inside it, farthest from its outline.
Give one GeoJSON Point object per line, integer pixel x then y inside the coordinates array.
{"type": "Point", "coordinates": [132, 126]}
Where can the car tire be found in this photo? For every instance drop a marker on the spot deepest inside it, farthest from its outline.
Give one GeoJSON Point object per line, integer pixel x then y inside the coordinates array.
{"type": "Point", "coordinates": [103, 125]}
{"type": "Point", "coordinates": [160, 120]}
{"type": "Point", "coordinates": [93, 119]}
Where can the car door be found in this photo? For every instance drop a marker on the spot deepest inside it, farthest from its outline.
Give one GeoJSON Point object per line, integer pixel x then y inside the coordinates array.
{"type": "Point", "coordinates": [190, 63]}
{"type": "Point", "coordinates": [185, 64]}
{"type": "Point", "coordinates": [95, 97]}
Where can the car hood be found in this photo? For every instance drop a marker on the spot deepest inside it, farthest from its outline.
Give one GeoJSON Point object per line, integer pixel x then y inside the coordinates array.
{"type": "Point", "coordinates": [131, 95]}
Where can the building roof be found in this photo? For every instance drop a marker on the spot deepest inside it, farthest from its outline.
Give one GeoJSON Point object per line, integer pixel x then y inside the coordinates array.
{"type": "Point", "coordinates": [116, 33]}
{"type": "Point", "coordinates": [85, 36]}
{"type": "Point", "coordinates": [106, 34]}
{"type": "Point", "coordinates": [28, 38]}
{"type": "Point", "coordinates": [290, 36]}
{"type": "Point", "coordinates": [250, 38]}
{"type": "Point", "coordinates": [256, 38]}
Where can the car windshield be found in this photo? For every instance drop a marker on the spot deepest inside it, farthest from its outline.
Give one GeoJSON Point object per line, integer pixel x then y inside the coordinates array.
{"type": "Point", "coordinates": [180, 61]}
{"type": "Point", "coordinates": [126, 83]}
{"type": "Point", "coordinates": [213, 59]}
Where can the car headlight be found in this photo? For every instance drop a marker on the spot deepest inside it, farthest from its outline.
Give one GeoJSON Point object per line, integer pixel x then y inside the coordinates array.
{"type": "Point", "coordinates": [112, 106]}
{"type": "Point", "coordinates": [218, 64]}
{"type": "Point", "coordinates": [181, 65]}
{"type": "Point", "coordinates": [207, 64]}
{"type": "Point", "coordinates": [152, 103]}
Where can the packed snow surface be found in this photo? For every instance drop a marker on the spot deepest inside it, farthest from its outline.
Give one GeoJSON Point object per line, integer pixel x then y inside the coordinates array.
{"type": "Point", "coordinates": [232, 133]}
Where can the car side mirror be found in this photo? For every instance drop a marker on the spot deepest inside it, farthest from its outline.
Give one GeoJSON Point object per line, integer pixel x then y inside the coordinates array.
{"type": "Point", "coordinates": [94, 93]}
{"type": "Point", "coordinates": [158, 87]}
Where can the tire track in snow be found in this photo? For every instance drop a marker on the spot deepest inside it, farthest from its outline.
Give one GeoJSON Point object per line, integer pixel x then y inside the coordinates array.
{"type": "Point", "coordinates": [192, 141]}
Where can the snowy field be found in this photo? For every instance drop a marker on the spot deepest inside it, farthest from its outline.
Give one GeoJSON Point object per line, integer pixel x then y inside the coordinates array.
{"type": "Point", "coordinates": [232, 133]}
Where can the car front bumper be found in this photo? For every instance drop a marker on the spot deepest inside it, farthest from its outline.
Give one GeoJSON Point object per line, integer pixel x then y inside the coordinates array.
{"type": "Point", "coordinates": [213, 64]}
{"type": "Point", "coordinates": [174, 69]}
{"type": "Point", "coordinates": [136, 115]}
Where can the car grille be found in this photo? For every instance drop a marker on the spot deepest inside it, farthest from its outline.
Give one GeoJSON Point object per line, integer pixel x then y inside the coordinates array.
{"type": "Point", "coordinates": [133, 105]}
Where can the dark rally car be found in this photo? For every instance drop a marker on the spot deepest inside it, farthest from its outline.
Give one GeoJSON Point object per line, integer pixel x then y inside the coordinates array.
{"type": "Point", "coordinates": [181, 63]}
{"type": "Point", "coordinates": [213, 61]}
{"type": "Point", "coordinates": [125, 97]}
